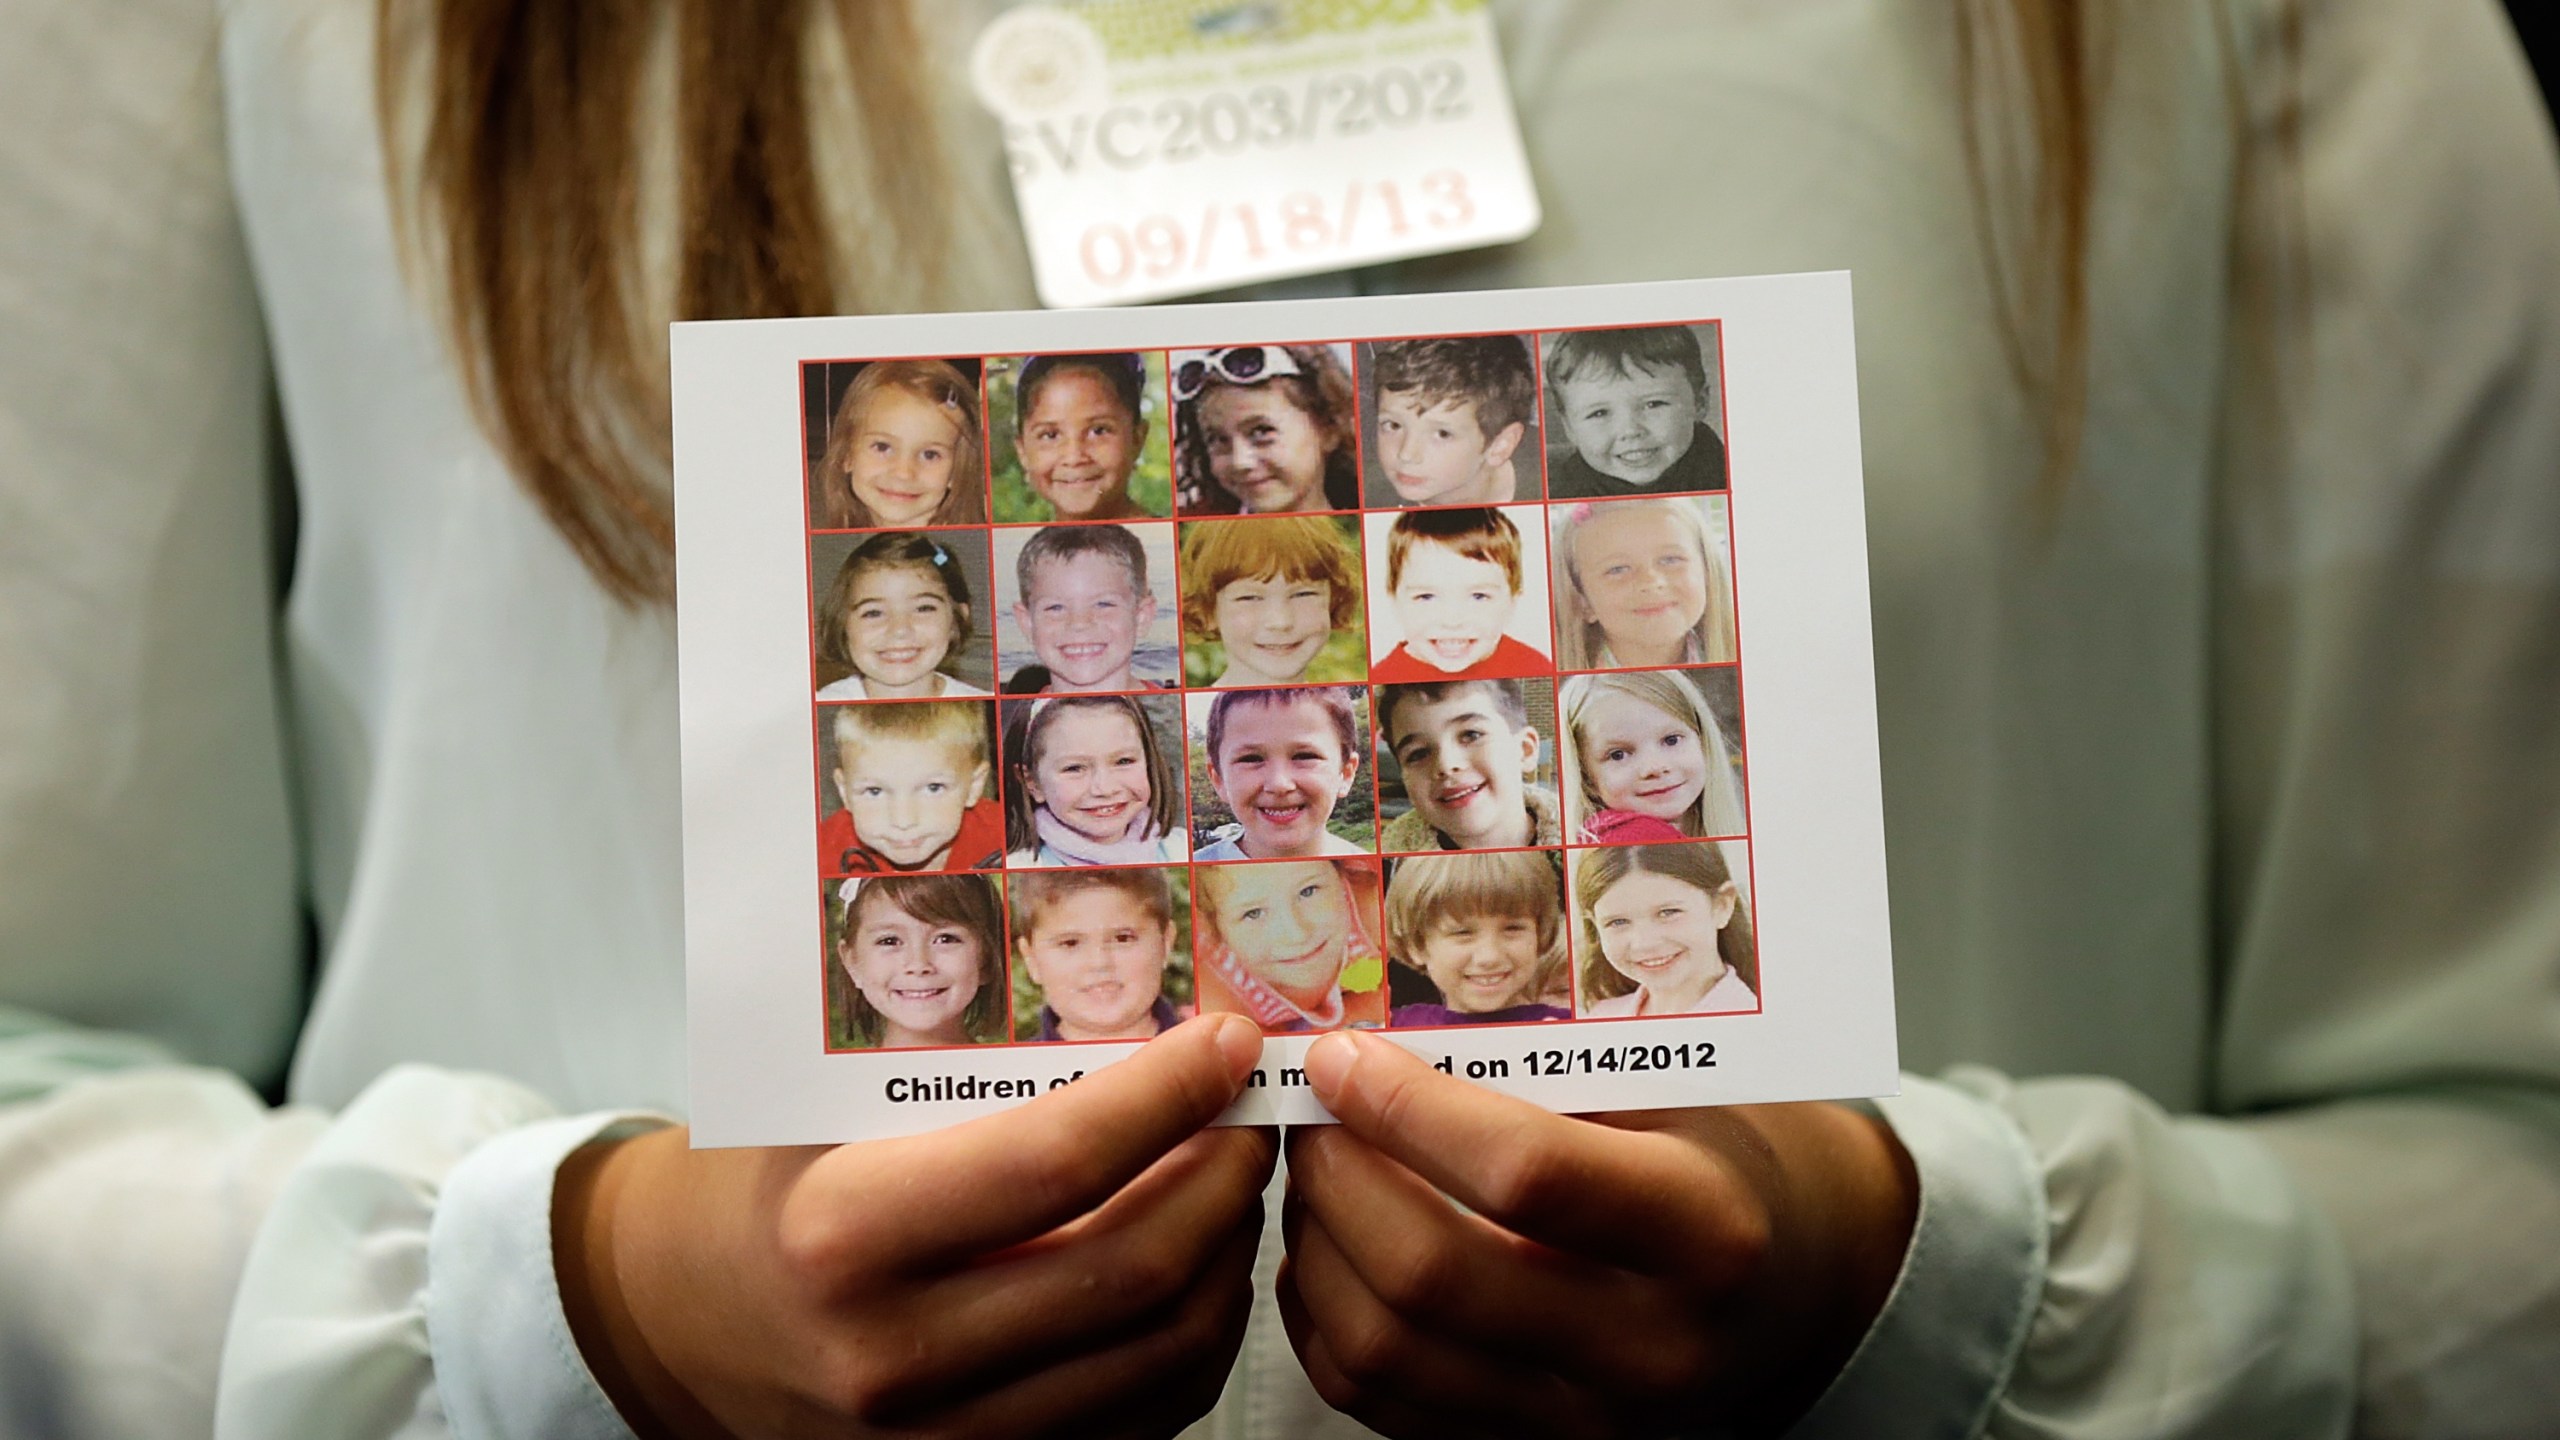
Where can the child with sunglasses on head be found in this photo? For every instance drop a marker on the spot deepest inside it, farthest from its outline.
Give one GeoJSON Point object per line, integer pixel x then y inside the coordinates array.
{"type": "Point", "coordinates": [1486, 930]}
{"type": "Point", "coordinates": [898, 611]}
{"type": "Point", "coordinates": [1642, 584]}
{"type": "Point", "coordinates": [1268, 592]}
{"type": "Point", "coordinates": [904, 450]}
{"type": "Point", "coordinates": [1263, 430]}
{"type": "Point", "coordinates": [1648, 760]}
{"type": "Point", "coordinates": [1079, 427]}
{"type": "Point", "coordinates": [1091, 785]}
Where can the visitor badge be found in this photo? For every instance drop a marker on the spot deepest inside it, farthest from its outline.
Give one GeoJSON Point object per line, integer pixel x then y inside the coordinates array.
{"type": "Point", "coordinates": [1174, 147]}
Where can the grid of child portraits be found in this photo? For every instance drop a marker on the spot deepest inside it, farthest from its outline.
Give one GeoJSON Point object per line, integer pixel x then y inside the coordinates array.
{"type": "Point", "coordinates": [1377, 683]}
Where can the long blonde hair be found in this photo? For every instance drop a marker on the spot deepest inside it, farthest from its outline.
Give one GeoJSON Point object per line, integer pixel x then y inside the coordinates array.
{"type": "Point", "coordinates": [1718, 808]}
{"type": "Point", "coordinates": [522, 199]}
{"type": "Point", "coordinates": [1579, 641]}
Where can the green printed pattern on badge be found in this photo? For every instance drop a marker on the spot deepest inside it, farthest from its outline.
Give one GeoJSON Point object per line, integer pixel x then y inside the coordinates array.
{"type": "Point", "coordinates": [1154, 29]}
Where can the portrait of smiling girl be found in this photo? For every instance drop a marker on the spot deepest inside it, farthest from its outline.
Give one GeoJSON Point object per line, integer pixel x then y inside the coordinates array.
{"type": "Point", "coordinates": [2211, 366]}
{"type": "Point", "coordinates": [920, 961]}
{"type": "Point", "coordinates": [1090, 781]}
{"type": "Point", "coordinates": [899, 615]}
{"type": "Point", "coordinates": [1078, 437]}
{"type": "Point", "coordinates": [904, 447]}
{"type": "Point", "coordinates": [1642, 582]}
{"type": "Point", "coordinates": [1647, 759]}
{"type": "Point", "coordinates": [1668, 932]}
{"type": "Point", "coordinates": [1264, 430]}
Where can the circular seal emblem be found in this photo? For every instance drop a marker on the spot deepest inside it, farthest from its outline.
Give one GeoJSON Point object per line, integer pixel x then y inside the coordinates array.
{"type": "Point", "coordinates": [1037, 61]}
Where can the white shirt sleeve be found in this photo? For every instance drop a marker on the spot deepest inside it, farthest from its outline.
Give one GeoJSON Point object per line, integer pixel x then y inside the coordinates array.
{"type": "Point", "coordinates": [127, 1204]}
{"type": "Point", "coordinates": [2368, 1249]}
{"type": "Point", "coordinates": [170, 1246]}
{"type": "Point", "coordinates": [403, 1285]}
{"type": "Point", "coordinates": [179, 1259]}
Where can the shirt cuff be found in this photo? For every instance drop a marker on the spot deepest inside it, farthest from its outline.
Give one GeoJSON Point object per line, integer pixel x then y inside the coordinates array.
{"type": "Point", "coordinates": [505, 1363]}
{"type": "Point", "coordinates": [1942, 1349]}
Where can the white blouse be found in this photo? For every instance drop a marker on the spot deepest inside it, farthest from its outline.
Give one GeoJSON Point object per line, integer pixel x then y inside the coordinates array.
{"type": "Point", "coordinates": [2229, 782]}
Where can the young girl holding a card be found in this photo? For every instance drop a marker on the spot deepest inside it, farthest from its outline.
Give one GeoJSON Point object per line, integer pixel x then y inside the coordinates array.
{"type": "Point", "coordinates": [2175, 567]}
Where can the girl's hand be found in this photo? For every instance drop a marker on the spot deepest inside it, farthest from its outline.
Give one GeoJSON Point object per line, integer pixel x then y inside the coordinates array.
{"type": "Point", "coordinates": [1081, 1264]}
{"type": "Point", "coordinates": [1688, 1270]}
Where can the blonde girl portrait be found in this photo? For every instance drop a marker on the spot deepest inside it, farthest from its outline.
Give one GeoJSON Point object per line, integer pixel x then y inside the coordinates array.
{"type": "Point", "coordinates": [1077, 437]}
{"type": "Point", "coordinates": [1091, 781]}
{"type": "Point", "coordinates": [899, 617]}
{"type": "Point", "coordinates": [904, 448]}
{"type": "Point", "coordinates": [1666, 931]}
{"type": "Point", "coordinates": [1291, 944]}
{"type": "Point", "coordinates": [1645, 582]}
{"type": "Point", "coordinates": [1271, 600]}
{"type": "Point", "coordinates": [1264, 430]}
{"type": "Point", "coordinates": [919, 962]}
{"type": "Point", "coordinates": [1647, 760]}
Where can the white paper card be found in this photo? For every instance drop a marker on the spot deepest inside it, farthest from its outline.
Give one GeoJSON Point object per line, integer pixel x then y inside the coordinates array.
{"type": "Point", "coordinates": [1618, 531]}
{"type": "Point", "coordinates": [1175, 147]}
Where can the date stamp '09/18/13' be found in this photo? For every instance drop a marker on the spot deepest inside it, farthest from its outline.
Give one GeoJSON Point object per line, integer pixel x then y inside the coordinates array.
{"type": "Point", "coordinates": [1299, 227]}
{"type": "Point", "coordinates": [1150, 162]}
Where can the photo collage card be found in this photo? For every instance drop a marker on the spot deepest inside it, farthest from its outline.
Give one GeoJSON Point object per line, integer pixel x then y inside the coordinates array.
{"type": "Point", "coordinates": [1371, 664]}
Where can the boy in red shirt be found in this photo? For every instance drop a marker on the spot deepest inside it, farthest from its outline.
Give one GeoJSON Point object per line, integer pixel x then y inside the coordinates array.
{"type": "Point", "coordinates": [1453, 577]}
{"type": "Point", "coordinates": [914, 777]}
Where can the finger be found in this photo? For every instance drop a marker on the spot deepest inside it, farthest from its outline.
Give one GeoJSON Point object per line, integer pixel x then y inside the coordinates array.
{"type": "Point", "coordinates": [1452, 1273]}
{"type": "Point", "coordinates": [929, 1202]}
{"type": "Point", "coordinates": [1255, 1147]}
{"type": "Point", "coordinates": [1610, 1194]}
{"type": "Point", "coordinates": [1113, 1272]}
{"type": "Point", "coordinates": [1387, 1359]}
{"type": "Point", "coordinates": [1123, 1384]}
{"type": "Point", "coordinates": [1179, 1403]}
{"type": "Point", "coordinates": [1388, 1416]}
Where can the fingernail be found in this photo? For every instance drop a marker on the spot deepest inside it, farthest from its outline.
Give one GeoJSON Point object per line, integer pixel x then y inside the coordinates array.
{"type": "Point", "coordinates": [1330, 1059]}
{"type": "Point", "coordinates": [1241, 1040]}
